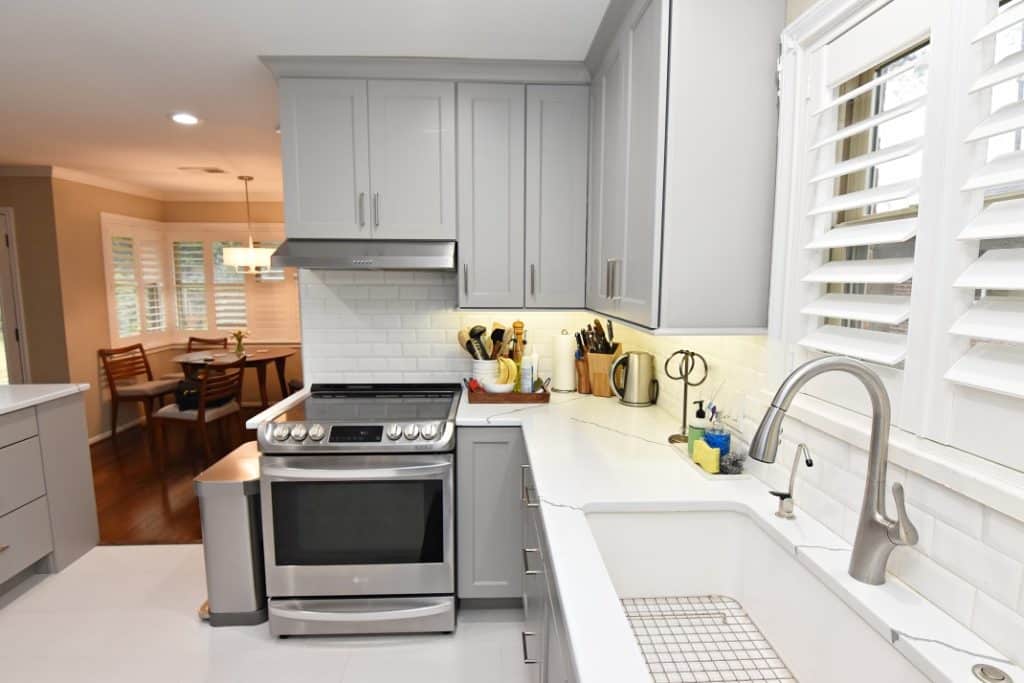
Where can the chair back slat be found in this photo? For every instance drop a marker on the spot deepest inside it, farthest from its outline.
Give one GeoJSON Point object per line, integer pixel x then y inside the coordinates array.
{"type": "Point", "coordinates": [222, 382]}
{"type": "Point", "coordinates": [125, 363]}
{"type": "Point", "coordinates": [203, 343]}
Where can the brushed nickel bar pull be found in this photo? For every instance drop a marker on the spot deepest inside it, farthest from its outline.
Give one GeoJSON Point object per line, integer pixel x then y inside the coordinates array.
{"type": "Point", "coordinates": [362, 209]}
{"type": "Point", "coordinates": [526, 655]}
{"type": "Point", "coordinates": [526, 562]}
{"type": "Point", "coordinates": [608, 278]}
{"type": "Point", "coordinates": [376, 209]}
{"type": "Point", "coordinates": [533, 279]}
{"type": "Point", "coordinates": [465, 279]}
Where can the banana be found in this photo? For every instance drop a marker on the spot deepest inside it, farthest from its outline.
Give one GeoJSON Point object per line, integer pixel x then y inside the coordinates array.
{"type": "Point", "coordinates": [506, 370]}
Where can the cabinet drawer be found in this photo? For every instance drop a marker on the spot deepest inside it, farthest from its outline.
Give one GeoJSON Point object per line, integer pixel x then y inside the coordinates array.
{"type": "Point", "coordinates": [21, 474]}
{"type": "Point", "coordinates": [24, 537]}
{"type": "Point", "coordinates": [17, 426]}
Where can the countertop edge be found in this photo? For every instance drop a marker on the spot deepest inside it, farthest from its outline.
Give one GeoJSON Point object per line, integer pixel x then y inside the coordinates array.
{"type": "Point", "coordinates": [15, 397]}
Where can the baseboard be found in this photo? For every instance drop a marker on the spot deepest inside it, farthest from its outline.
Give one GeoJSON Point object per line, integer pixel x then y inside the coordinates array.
{"type": "Point", "coordinates": [106, 435]}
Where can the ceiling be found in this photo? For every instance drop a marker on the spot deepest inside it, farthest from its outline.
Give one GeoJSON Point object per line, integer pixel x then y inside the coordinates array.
{"type": "Point", "coordinates": [89, 85]}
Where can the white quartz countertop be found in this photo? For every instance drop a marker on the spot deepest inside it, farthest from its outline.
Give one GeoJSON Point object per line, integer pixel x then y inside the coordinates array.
{"type": "Point", "coordinates": [18, 396]}
{"type": "Point", "coordinates": [589, 454]}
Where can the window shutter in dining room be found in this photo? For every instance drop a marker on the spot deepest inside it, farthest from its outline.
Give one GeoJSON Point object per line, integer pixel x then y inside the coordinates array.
{"type": "Point", "coordinates": [994, 323]}
{"type": "Point", "coordinates": [151, 276]}
{"type": "Point", "coordinates": [229, 303]}
{"type": "Point", "coordinates": [125, 287]}
{"type": "Point", "coordinates": [866, 146]}
{"type": "Point", "coordinates": [190, 284]}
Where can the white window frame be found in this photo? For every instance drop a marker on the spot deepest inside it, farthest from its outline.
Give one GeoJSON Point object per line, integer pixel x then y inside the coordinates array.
{"type": "Point", "coordinates": [925, 404]}
{"type": "Point", "coordinates": [207, 233]}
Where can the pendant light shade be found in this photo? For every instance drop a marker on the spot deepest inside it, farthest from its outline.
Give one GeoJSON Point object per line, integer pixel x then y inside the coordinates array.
{"type": "Point", "coordinates": [251, 259]}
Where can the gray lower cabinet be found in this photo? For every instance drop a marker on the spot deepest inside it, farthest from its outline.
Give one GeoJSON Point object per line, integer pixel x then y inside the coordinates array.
{"type": "Point", "coordinates": [47, 504]}
{"type": "Point", "coordinates": [489, 464]}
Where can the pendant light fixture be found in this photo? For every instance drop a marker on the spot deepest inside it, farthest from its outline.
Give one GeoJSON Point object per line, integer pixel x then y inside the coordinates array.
{"type": "Point", "coordinates": [250, 260]}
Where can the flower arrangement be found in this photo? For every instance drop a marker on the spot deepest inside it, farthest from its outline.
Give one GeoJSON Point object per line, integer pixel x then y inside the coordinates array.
{"type": "Point", "coordinates": [239, 337]}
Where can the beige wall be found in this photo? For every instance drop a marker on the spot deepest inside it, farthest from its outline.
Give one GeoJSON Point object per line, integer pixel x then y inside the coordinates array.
{"type": "Point", "coordinates": [77, 209]}
{"type": "Point", "coordinates": [36, 234]}
{"type": "Point", "coordinates": [222, 212]}
{"type": "Point", "coordinates": [795, 8]}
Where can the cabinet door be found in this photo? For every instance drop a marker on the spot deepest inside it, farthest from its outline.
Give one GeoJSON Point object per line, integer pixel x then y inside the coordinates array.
{"type": "Point", "coordinates": [490, 172]}
{"type": "Point", "coordinates": [489, 533]}
{"type": "Point", "coordinates": [535, 598]}
{"type": "Point", "coordinates": [412, 159]}
{"type": "Point", "coordinates": [637, 273]}
{"type": "Point", "coordinates": [324, 157]}
{"type": "Point", "coordinates": [556, 195]}
{"type": "Point", "coordinates": [608, 228]}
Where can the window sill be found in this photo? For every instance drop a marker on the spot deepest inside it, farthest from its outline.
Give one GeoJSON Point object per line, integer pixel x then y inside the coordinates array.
{"type": "Point", "coordinates": [969, 474]}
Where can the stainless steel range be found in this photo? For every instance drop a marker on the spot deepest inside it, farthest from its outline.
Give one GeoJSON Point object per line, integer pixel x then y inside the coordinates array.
{"type": "Point", "coordinates": [357, 498]}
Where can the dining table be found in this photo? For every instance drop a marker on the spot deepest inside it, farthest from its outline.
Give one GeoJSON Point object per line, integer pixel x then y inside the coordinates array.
{"type": "Point", "coordinates": [259, 359]}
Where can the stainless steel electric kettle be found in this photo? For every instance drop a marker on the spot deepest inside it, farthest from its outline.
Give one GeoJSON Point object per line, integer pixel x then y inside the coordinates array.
{"type": "Point", "coordinates": [632, 379]}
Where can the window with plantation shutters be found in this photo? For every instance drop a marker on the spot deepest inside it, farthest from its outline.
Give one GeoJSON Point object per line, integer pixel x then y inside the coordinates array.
{"type": "Point", "coordinates": [866, 151]}
{"type": "Point", "coordinates": [190, 284]}
{"type": "Point", "coordinates": [151, 276]}
{"type": "Point", "coordinates": [993, 283]}
{"type": "Point", "coordinates": [125, 287]}
{"type": "Point", "coordinates": [229, 296]}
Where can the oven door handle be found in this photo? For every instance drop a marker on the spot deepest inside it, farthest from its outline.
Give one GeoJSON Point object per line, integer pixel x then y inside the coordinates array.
{"type": "Point", "coordinates": [420, 611]}
{"type": "Point", "coordinates": [342, 474]}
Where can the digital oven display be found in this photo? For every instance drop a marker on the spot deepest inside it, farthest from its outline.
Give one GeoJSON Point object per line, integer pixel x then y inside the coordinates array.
{"type": "Point", "coordinates": [355, 434]}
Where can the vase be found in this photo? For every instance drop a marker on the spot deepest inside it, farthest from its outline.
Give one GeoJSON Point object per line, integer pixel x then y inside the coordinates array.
{"type": "Point", "coordinates": [239, 347]}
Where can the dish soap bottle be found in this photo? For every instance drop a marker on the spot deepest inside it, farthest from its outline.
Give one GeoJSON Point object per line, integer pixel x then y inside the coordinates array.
{"type": "Point", "coordinates": [699, 424]}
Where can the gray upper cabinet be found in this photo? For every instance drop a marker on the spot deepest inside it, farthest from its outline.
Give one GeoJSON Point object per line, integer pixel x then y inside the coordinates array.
{"type": "Point", "coordinates": [491, 201]}
{"type": "Point", "coordinates": [412, 159]}
{"type": "Point", "coordinates": [368, 160]}
{"type": "Point", "coordinates": [682, 164]}
{"type": "Point", "coordinates": [556, 195]}
{"type": "Point", "coordinates": [324, 157]}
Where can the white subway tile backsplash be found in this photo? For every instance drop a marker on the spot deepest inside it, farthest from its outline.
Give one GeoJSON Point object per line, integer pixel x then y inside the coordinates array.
{"type": "Point", "coordinates": [992, 572]}
{"type": "Point", "coordinates": [1000, 626]}
{"type": "Point", "coordinates": [952, 594]}
{"type": "Point", "coordinates": [946, 504]}
{"type": "Point", "coordinates": [1004, 534]}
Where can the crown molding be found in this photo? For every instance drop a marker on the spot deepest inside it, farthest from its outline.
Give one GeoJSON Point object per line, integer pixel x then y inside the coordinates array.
{"type": "Point", "coordinates": [428, 68]}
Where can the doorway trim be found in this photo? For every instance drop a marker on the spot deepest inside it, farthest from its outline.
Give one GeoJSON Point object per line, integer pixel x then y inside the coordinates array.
{"type": "Point", "coordinates": [19, 310]}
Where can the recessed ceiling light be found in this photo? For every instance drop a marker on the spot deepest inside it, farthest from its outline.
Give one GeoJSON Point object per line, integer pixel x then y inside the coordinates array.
{"type": "Point", "coordinates": [184, 118]}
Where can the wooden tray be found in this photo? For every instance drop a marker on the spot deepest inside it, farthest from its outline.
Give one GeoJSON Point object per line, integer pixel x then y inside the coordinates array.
{"type": "Point", "coordinates": [513, 397]}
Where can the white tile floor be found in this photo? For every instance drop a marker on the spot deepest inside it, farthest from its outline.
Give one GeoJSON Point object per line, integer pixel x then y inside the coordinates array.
{"type": "Point", "coordinates": [129, 614]}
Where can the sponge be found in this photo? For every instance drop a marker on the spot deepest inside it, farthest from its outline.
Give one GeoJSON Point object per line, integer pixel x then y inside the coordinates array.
{"type": "Point", "coordinates": [706, 456]}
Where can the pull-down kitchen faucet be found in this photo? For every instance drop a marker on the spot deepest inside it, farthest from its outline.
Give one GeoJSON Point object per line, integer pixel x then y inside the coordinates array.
{"type": "Point", "coordinates": [877, 534]}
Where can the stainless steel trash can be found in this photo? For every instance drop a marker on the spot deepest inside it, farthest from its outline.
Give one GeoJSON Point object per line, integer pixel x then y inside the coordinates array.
{"type": "Point", "coordinates": [229, 504]}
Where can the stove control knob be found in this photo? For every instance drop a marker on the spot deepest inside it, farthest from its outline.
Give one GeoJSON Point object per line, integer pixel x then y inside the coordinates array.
{"type": "Point", "coordinates": [430, 431]}
{"type": "Point", "coordinates": [412, 431]}
{"type": "Point", "coordinates": [316, 432]}
{"type": "Point", "coordinates": [299, 432]}
{"type": "Point", "coordinates": [394, 432]}
{"type": "Point", "coordinates": [281, 432]}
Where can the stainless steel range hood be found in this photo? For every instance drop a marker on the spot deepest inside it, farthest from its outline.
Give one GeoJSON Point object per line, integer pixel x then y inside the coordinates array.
{"type": "Point", "coordinates": [366, 254]}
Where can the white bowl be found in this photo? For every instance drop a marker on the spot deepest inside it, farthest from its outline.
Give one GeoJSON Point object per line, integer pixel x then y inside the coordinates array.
{"type": "Point", "coordinates": [495, 388]}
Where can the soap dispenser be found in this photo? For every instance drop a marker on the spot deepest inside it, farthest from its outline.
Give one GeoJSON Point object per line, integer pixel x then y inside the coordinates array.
{"type": "Point", "coordinates": [697, 427]}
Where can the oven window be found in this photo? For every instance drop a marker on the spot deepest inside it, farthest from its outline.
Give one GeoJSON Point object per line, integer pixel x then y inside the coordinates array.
{"type": "Point", "coordinates": [359, 522]}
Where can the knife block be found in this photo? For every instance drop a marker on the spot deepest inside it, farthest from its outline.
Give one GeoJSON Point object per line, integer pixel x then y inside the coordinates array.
{"type": "Point", "coordinates": [600, 364]}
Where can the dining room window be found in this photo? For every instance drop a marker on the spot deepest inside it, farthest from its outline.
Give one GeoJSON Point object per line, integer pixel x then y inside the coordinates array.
{"type": "Point", "coordinates": [167, 281]}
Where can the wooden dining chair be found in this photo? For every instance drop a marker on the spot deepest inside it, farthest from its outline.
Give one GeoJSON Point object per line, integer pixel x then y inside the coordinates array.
{"type": "Point", "coordinates": [220, 397]}
{"type": "Point", "coordinates": [130, 379]}
{"type": "Point", "coordinates": [198, 344]}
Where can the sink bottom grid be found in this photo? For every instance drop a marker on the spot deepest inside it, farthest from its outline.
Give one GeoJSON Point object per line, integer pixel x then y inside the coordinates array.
{"type": "Point", "coordinates": [702, 639]}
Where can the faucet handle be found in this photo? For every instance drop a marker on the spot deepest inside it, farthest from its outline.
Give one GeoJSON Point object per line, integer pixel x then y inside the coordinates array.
{"type": "Point", "coordinates": [903, 529]}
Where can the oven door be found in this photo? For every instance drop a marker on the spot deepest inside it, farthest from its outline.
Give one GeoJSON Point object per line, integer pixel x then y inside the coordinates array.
{"type": "Point", "coordinates": [354, 525]}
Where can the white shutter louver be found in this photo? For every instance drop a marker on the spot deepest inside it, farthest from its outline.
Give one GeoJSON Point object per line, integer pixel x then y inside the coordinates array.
{"type": "Point", "coordinates": [190, 284]}
{"type": "Point", "coordinates": [994, 323]}
{"type": "Point", "coordinates": [865, 188]}
{"type": "Point", "coordinates": [151, 274]}
{"type": "Point", "coordinates": [229, 305]}
{"type": "Point", "coordinates": [126, 291]}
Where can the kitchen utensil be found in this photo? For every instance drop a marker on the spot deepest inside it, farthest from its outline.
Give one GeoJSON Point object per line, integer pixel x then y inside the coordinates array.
{"type": "Point", "coordinates": [688, 361]}
{"type": "Point", "coordinates": [611, 332]}
{"type": "Point", "coordinates": [563, 368]}
{"type": "Point", "coordinates": [601, 340]}
{"type": "Point", "coordinates": [497, 337]}
{"type": "Point", "coordinates": [631, 377]}
{"type": "Point", "coordinates": [466, 344]}
{"type": "Point", "coordinates": [495, 388]}
{"type": "Point", "coordinates": [475, 336]}
{"type": "Point", "coordinates": [599, 365]}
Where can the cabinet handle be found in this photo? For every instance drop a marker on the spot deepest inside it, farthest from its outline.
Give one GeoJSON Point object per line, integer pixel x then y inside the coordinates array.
{"type": "Point", "coordinates": [608, 278]}
{"type": "Point", "coordinates": [376, 209]}
{"type": "Point", "coordinates": [362, 209]}
{"type": "Point", "coordinates": [524, 490]}
{"type": "Point", "coordinates": [465, 279]}
{"type": "Point", "coordinates": [526, 654]}
{"type": "Point", "coordinates": [526, 562]}
{"type": "Point", "coordinates": [3, 547]}
{"type": "Point", "coordinates": [613, 294]}
{"type": "Point", "coordinates": [533, 279]}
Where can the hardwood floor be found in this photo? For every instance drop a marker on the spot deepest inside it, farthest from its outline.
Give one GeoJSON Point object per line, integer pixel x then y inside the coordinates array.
{"type": "Point", "coordinates": [135, 504]}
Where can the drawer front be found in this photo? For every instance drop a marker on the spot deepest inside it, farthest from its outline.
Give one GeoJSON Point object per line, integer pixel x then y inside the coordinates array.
{"type": "Point", "coordinates": [24, 537]}
{"type": "Point", "coordinates": [18, 426]}
{"type": "Point", "coordinates": [21, 474]}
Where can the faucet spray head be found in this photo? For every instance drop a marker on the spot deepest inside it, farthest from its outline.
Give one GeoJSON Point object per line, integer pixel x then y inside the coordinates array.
{"type": "Point", "coordinates": [764, 446]}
